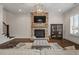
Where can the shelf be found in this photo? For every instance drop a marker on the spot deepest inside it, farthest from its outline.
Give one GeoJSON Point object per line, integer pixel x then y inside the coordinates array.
{"type": "Point", "coordinates": [57, 31]}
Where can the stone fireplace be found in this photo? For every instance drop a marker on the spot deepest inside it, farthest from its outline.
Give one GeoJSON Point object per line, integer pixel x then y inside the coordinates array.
{"type": "Point", "coordinates": [39, 25]}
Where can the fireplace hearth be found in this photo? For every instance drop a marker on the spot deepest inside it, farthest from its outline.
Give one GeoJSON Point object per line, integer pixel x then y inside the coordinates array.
{"type": "Point", "coordinates": [39, 33]}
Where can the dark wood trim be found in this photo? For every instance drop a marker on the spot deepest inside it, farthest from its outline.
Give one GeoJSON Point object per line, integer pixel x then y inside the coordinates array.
{"type": "Point", "coordinates": [64, 43]}
{"type": "Point", "coordinates": [7, 29]}
{"type": "Point", "coordinates": [55, 32]}
{"type": "Point", "coordinates": [14, 42]}
{"type": "Point", "coordinates": [73, 43]}
{"type": "Point", "coordinates": [23, 39]}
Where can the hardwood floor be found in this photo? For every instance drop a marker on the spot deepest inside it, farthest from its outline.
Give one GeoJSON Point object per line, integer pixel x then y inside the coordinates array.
{"type": "Point", "coordinates": [64, 43]}
{"type": "Point", "coordinates": [14, 42]}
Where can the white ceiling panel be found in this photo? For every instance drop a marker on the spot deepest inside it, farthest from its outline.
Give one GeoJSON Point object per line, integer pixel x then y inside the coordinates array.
{"type": "Point", "coordinates": [27, 7]}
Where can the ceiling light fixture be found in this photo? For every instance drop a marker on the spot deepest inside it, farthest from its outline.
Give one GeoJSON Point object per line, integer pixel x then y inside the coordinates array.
{"type": "Point", "coordinates": [20, 10]}
{"type": "Point", "coordinates": [39, 8]}
{"type": "Point", "coordinates": [59, 10]}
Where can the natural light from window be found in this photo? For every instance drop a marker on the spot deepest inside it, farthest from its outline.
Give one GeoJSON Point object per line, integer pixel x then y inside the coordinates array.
{"type": "Point", "coordinates": [74, 25]}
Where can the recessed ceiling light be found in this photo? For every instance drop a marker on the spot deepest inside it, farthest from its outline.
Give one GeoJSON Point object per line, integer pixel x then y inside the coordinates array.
{"type": "Point", "coordinates": [59, 10]}
{"type": "Point", "coordinates": [20, 10]}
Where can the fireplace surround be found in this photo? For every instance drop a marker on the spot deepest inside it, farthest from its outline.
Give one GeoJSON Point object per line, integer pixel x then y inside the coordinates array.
{"type": "Point", "coordinates": [39, 25]}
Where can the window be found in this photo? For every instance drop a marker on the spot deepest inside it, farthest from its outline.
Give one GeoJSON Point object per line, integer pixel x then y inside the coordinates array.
{"type": "Point", "coordinates": [74, 25]}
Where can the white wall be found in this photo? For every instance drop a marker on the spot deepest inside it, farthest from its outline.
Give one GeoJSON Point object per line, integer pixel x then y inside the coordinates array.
{"type": "Point", "coordinates": [20, 24]}
{"type": "Point", "coordinates": [54, 18]}
{"type": "Point", "coordinates": [9, 20]}
{"type": "Point", "coordinates": [67, 34]}
{"type": "Point", "coordinates": [1, 20]}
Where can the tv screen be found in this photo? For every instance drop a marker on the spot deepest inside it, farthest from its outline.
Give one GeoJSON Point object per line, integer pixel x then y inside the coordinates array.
{"type": "Point", "coordinates": [39, 19]}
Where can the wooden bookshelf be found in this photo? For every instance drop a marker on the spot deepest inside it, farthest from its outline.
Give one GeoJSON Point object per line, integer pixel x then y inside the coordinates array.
{"type": "Point", "coordinates": [56, 31]}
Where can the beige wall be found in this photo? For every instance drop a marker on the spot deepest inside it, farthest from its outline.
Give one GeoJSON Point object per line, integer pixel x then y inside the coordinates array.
{"type": "Point", "coordinates": [54, 18]}
{"type": "Point", "coordinates": [67, 34]}
{"type": "Point", "coordinates": [20, 24]}
{"type": "Point", "coordinates": [9, 19]}
{"type": "Point", "coordinates": [1, 20]}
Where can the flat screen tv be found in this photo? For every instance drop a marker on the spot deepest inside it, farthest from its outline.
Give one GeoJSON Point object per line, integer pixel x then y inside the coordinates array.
{"type": "Point", "coordinates": [39, 19]}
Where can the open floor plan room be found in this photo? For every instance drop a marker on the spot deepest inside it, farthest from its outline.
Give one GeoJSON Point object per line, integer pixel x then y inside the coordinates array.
{"type": "Point", "coordinates": [39, 29]}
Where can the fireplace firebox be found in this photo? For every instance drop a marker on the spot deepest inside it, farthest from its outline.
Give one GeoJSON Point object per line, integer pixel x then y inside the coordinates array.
{"type": "Point", "coordinates": [39, 33]}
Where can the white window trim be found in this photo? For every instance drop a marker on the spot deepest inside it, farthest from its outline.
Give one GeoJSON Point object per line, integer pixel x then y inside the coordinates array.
{"type": "Point", "coordinates": [72, 33]}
